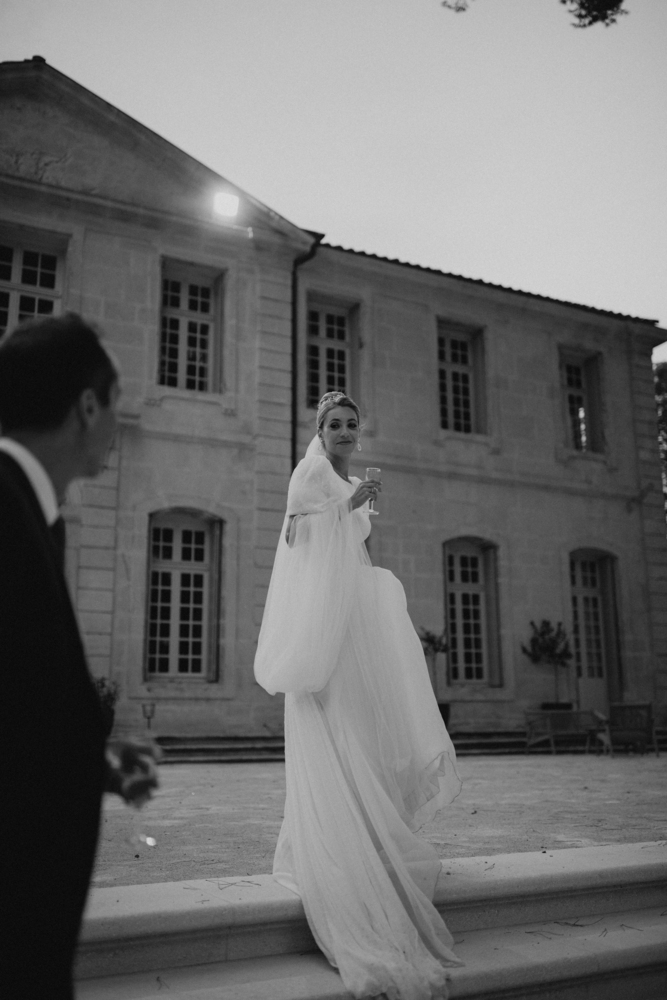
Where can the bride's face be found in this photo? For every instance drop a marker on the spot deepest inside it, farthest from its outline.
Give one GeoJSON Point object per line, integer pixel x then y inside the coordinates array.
{"type": "Point", "coordinates": [340, 431]}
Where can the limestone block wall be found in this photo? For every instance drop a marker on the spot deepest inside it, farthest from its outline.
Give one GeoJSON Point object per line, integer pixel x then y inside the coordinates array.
{"type": "Point", "coordinates": [513, 484]}
{"type": "Point", "coordinates": [272, 461]}
{"type": "Point", "coordinates": [516, 483]}
{"type": "Point", "coordinates": [649, 506]}
{"type": "Point", "coordinates": [225, 454]}
{"type": "Point", "coordinates": [115, 202]}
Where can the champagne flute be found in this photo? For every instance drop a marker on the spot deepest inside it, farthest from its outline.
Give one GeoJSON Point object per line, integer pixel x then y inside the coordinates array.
{"type": "Point", "coordinates": [133, 764]}
{"type": "Point", "coordinates": [138, 837]}
{"type": "Point", "coordinates": [372, 474]}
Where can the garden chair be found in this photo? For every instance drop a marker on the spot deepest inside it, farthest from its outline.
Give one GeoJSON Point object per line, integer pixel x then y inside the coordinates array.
{"type": "Point", "coordinates": [570, 727]}
{"type": "Point", "coordinates": [632, 726]}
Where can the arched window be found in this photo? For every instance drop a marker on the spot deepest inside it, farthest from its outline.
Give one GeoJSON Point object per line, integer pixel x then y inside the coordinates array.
{"type": "Point", "coordinates": [184, 572]}
{"type": "Point", "coordinates": [471, 612]}
{"type": "Point", "coordinates": [594, 628]}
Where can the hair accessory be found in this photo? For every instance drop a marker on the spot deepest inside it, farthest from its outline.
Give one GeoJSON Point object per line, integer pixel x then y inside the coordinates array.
{"type": "Point", "coordinates": [328, 401]}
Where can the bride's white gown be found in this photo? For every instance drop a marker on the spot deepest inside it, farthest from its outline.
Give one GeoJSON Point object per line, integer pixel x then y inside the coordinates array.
{"type": "Point", "coordinates": [368, 759]}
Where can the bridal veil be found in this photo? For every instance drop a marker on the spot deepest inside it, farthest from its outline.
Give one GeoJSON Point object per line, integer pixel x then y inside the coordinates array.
{"type": "Point", "coordinates": [368, 759]}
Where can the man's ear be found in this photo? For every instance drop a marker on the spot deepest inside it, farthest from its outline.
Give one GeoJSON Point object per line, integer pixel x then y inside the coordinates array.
{"type": "Point", "coordinates": [87, 408]}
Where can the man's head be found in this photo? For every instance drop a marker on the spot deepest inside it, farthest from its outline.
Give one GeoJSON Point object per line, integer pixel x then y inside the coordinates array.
{"type": "Point", "coordinates": [56, 380]}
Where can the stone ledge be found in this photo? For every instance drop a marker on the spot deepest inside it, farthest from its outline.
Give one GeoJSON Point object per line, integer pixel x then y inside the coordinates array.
{"type": "Point", "coordinates": [600, 959]}
{"type": "Point", "coordinates": [508, 889]}
{"type": "Point", "coordinates": [225, 902]}
{"type": "Point", "coordinates": [132, 928]}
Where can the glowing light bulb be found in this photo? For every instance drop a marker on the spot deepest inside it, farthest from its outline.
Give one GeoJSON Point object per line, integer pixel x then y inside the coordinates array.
{"type": "Point", "coordinates": [225, 203]}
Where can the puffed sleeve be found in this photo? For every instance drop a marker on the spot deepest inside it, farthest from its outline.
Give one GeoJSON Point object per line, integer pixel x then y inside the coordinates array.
{"type": "Point", "coordinates": [313, 583]}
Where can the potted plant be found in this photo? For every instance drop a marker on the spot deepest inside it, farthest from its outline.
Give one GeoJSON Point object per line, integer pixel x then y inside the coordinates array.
{"type": "Point", "coordinates": [551, 646]}
{"type": "Point", "coordinates": [433, 644]}
{"type": "Point", "coordinates": [107, 692]}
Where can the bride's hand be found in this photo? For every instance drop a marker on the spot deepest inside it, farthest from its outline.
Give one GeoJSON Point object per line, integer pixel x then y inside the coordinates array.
{"type": "Point", "coordinates": [368, 490]}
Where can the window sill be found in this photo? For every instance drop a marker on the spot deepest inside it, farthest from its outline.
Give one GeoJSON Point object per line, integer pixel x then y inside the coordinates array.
{"type": "Point", "coordinates": [488, 441]}
{"type": "Point", "coordinates": [222, 401]}
{"type": "Point", "coordinates": [568, 455]}
{"type": "Point", "coordinates": [476, 691]}
{"type": "Point", "coordinates": [177, 689]}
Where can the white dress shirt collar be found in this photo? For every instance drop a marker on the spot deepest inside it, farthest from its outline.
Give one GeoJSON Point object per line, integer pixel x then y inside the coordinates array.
{"type": "Point", "coordinates": [36, 473]}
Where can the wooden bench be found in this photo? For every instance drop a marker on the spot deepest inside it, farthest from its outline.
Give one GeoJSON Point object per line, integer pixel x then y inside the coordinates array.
{"type": "Point", "coordinates": [549, 726]}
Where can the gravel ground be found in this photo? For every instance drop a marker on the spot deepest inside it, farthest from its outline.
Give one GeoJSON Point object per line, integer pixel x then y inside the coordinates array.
{"type": "Point", "coordinates": [223, 819]}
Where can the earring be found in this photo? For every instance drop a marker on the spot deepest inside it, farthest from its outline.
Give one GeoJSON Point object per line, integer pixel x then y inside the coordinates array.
{"type": "Point", "coordinates": [358, 445]}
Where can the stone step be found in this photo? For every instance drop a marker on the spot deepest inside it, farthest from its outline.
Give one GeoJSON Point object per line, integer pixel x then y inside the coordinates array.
{"type": "Point", "coordinates": [220, 750]}
{"type": "Point", "coordinates": [519, 920]}
{"type": "Point", "coordinates": [616, 957]}
{"type": "Point", "coordinates": [241, 749]}
{"type": "Point", "coordinates": [222, 757]}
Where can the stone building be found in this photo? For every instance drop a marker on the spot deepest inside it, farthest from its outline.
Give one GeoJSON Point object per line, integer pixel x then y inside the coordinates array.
{"type": "Point", "coordinates": [516, 434]}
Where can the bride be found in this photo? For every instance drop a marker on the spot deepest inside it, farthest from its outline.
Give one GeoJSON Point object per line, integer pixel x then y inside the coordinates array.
{"type": "Point", "coordinates": [368, 759]}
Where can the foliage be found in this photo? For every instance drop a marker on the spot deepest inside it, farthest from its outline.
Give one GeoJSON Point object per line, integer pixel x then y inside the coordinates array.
{"type": "Point", "coordinates": [584, 12]}
{"type": "Point", "coordinates": [107, 692]}
{"type": "Point", "coordinates": [660, 375]}
{"type": "Point", "coordinates": [431, 642]}
{"type": "Point", "coordinates": [548, 644]}
{"type": "Point", "coordinates": [588, 12]}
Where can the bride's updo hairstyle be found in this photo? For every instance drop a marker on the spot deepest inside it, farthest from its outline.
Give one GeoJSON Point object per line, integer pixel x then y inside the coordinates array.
{"type": "Point", "coordinates": [331, 399]}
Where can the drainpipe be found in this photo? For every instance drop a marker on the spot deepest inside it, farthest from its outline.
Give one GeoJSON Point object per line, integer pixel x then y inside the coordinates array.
{"type": "Point", "coordinates": [301, 259]}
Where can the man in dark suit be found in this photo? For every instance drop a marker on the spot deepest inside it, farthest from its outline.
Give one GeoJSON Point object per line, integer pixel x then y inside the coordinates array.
{"type": "Point", "coordinates": [58, 395]}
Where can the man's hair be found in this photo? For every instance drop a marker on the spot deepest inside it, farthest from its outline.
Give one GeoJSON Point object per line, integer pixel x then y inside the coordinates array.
{"type": "Point", "coordinates": [45, 365]}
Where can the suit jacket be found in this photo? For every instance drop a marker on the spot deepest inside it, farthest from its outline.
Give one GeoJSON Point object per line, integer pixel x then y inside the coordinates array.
{"type": "Point", "coordinates": [52, 739]}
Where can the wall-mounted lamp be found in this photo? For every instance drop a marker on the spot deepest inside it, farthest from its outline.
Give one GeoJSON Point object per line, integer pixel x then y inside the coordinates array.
{"type": "Point", "coordinates": [148, 710]}
{"type": "Point", "coordinates": [225, 203]}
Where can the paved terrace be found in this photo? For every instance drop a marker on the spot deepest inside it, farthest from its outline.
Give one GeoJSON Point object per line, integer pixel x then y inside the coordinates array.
{"type": "Point", "coordinates": [223, 819]}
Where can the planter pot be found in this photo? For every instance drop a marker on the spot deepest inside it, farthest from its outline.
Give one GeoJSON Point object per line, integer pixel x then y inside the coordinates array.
{"type": "Point", "coordinates": [556, 706]}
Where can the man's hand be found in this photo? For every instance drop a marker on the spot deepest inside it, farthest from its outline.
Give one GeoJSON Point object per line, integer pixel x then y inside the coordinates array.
{"type": "Point", "coordinates": [131, 771]}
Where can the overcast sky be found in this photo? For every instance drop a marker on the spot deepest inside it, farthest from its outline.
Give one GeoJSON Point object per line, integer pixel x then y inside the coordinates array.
{"type": "Point", "coordinates": [500, 144]}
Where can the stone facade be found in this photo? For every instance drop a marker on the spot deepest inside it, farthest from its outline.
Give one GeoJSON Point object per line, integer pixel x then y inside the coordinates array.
{"type": "Point", "coordinates": [123, 211]}
{"type": "Point", "coordinates": [516, 484]}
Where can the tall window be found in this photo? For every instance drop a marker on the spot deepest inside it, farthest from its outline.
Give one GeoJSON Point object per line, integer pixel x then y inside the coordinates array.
{"type": "Point", "coordinates": [30, 284]}
{"type": "Point", "coordinates": [457, 378]}
{"type": "Point", "coordinates": [581, 402]}
{"type": "Point", "coordinates": [183, 596]}
{"type": "Point", "coordinates": [587, 621]}
{"type": "Point", "coordinates": [189, 332]}
{"type": "Point", "coordinates": [594, 617]}
{"type": "Point", "coordinates": [328, 352]}
{"type": "Point", "coordinates": [472, 612]}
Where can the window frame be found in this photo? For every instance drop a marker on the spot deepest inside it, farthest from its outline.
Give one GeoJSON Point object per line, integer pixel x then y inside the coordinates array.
{"type": "Point", "coordinates": [200, 275]}
{"type": "Point", "coordinates": [590, 366]}
{"type": "Point", "coordinates": [187, 519]}
{"type": "Point", "coordinates": [16, 288]}
{"type": "Point", "coordinates": [606, 570]}
{"type": "Point", "coordinates": [324, 305]}
{"type": "Point", "coordinates": [487, 553]}
{"type": "Point", "coordinates": [448, 330]}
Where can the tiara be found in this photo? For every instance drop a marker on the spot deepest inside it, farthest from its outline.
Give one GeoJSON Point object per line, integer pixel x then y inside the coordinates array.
{"type": "Point", "coordinates": [329, 399]}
